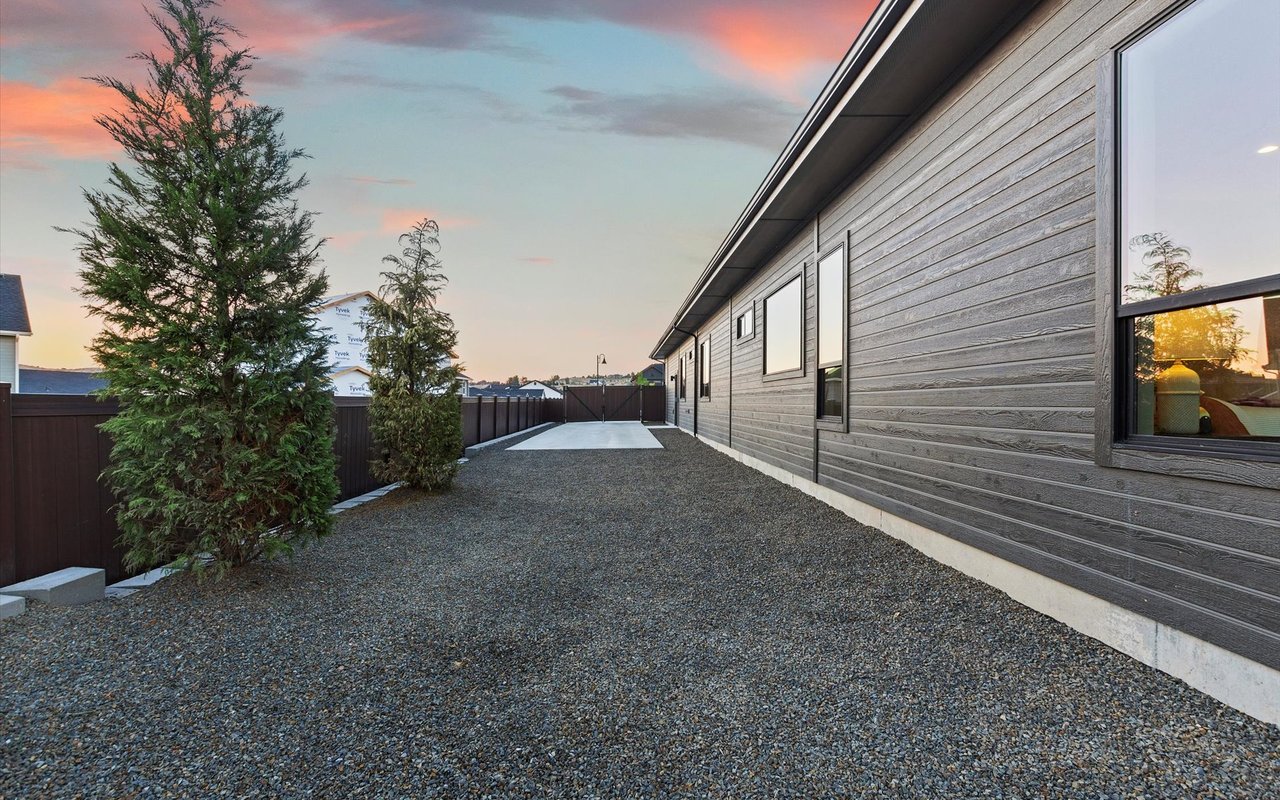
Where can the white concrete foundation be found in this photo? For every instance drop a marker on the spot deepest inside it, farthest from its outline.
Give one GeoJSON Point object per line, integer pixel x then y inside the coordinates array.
{"type": "Point", "coordinates": [1239, 682]}
{"type": "Point", "coordinates": [12, 605]}
{"type": "Point", "coordinates": [593, 436]}
{"type": "Point", "coordinates": [72, 586]}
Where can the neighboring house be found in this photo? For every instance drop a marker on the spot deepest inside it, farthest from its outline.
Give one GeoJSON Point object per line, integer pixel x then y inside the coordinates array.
{"type": "Point", "coordinates": [350, 382]}
{"type": "Point", "coordinates": [923, 315]}
{"type": "Point", "coordinates": [655, 374]}
{"type": "Point", "coordinates": [342, 316]}
{"type": "Point", "coordinates": [548, 392]}
{"type": "Point", "coordinates": [14, 323]}
{"type": "Point", "coordinates": [38, 380]}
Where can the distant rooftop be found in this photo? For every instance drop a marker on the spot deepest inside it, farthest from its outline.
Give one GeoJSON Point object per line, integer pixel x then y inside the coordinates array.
{"type": "Point", "coordinates": [36, 380]}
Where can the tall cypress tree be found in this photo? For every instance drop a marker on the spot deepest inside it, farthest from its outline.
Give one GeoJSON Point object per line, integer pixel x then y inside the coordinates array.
{"type": "Point", "coordinates": [415, 413]}
{"type": "Point", "coordinates": [203, 270]}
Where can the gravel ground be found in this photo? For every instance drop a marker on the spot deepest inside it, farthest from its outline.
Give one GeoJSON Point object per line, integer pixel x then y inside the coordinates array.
{"type": "Point", "coordinates": [599, 624]}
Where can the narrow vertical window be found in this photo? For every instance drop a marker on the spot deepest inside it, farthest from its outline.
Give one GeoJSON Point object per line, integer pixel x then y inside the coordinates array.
{"type": "Point", "coordinates": [784, 328]}
{"type": "Point", "coordinates": [680, 384]}
{"type": "Point", "coordinates": [832, 315]}
{"type": "Point", "coordinates": [1198, 294]}
{"type": "Point", "coordinates": [704, 368]}
{"type": "Point", "coordinates": [746, 323]}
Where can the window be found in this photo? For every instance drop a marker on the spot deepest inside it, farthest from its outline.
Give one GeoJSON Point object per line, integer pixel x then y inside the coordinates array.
{"type": "Point", "coordinates": [832, 314]}
{"type": "Point", "coordinates": [704, 369]}
{"type": "Point", "coordinates": [680, 384]}
{"type": "Point", "coordinates": [784, 329]}
{"type": "Point", "coordinates": [1198, 294]}
{"type": "Point", "coordinates": [745, 326]}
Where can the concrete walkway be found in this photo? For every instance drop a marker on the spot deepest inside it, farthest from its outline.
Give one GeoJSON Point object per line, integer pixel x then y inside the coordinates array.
{"type": "Point", "coordinates": [593, 436]}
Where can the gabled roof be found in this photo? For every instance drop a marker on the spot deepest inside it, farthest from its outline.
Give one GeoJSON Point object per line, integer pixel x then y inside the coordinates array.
{"type": "Point", "coordinates": [907, 54]}
{"type": "Point", "coordinates": [13, 306]}
{"type": "Point", "coordinates": [339, 299]}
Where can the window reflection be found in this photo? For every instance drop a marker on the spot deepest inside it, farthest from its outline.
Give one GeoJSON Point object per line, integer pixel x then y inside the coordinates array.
{"type": "Point", "coordinates": [1199, 108]}
{"type": "Point", "coordinates": [784, 331]}
{"type": "Point", "coordinates": [1209, 371]}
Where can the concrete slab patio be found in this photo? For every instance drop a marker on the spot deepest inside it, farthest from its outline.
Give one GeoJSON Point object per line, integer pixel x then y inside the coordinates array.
{"type": "Point", "coordinates": [592, 436]}
{"type": "Point", "coordinates": [609, 623]}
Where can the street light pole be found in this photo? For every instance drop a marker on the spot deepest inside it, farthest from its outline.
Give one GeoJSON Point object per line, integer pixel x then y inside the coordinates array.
{"type": "Point", "coordinates": [600, 360]}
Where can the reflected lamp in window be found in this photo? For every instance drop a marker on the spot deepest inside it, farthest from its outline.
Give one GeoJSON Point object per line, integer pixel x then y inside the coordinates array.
{"type": "Point", "coordinates": [1198, 303]}
{"type": "Point", "coordinates": [784, 328]}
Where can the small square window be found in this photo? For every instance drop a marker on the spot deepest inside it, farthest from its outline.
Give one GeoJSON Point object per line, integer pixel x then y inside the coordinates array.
{"type": "Point", "coordinates": [745, 326]}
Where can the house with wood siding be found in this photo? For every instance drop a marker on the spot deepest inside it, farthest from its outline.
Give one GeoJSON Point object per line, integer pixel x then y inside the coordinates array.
{"type": "Point", "coordinates": [1010, 294]}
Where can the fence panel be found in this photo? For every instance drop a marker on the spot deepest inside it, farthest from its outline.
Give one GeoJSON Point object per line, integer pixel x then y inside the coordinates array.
{"type": "Point", "coordinates": [353, 445]}
{"type": "Point", "coordinates": [654, 401]}
{"type": "Point", "coordinates": [470, 421]}
{"type": "Point", "coordinates": [55, 512]}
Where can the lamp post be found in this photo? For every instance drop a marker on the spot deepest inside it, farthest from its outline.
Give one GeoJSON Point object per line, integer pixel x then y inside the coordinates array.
{"type": "Point", "coordinates": [600, 360]}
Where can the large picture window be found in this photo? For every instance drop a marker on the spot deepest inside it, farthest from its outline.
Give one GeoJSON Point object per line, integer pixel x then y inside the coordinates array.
{"type": "Point", "coordinates": [784, 328]}
{"type": "Point", "coordinates": [831, 334]}
{"type": "Point", "coordinates": [1198, 244]}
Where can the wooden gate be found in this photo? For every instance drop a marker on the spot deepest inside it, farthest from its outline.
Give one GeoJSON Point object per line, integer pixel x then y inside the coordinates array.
{"type": "Point", "coordinates": [614, 403]}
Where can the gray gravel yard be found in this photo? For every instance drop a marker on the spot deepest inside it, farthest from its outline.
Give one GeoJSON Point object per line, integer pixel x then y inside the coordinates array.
{"type": "Point", "coordinates": [599, 624]}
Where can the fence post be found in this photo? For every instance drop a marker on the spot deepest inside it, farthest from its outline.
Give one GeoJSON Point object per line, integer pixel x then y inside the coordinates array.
{"type": "Point", "coordinates": [8, 492]}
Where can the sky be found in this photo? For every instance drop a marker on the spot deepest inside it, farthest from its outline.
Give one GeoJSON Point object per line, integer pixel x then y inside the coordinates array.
{"type": "Point", "coordinates": [584, 158]}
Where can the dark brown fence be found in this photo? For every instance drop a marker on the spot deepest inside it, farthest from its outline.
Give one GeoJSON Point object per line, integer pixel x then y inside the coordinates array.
{"type": "Point", "coordinates": [615, 403]}
{"type": "Point", "coordinates": [55, 513]}
{"type": "Point", "coordinates": [488, 418]}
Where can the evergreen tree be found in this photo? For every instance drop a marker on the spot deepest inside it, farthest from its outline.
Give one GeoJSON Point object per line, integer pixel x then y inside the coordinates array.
{"type": "Point", "coordinates": [202, 269]}
{"type": "Point", "coordinates": [415, 414]}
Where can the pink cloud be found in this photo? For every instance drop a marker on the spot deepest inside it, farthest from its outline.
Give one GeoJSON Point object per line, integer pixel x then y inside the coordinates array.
{"type": "Point", "coordinates": [55, 119]}
{"type": "Point", "coordinates": [401, 220]}
{"type": "Point", "coordinates": [540, 260]}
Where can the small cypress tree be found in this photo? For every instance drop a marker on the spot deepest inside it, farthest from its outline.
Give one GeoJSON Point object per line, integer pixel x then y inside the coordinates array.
{"type": "Point", "coordinates": [201, 267]}
{"type": "Point", "coordinates": [415, 413]}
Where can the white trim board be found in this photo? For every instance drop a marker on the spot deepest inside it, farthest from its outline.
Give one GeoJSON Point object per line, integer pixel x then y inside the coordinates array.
{"type": "Point", "coordinates": [1231, 678]}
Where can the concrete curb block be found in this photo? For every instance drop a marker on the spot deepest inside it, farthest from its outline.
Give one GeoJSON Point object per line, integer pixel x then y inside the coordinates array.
{"type": "Point", "coordinates": [508, 436]}
{"type": "Point", "coordinates": [71, 586]}
{"type": "Point", "coordinates": [12, 605]}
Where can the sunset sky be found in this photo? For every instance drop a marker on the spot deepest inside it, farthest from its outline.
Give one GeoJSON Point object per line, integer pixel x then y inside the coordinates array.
{"type": "Point", "coordinates": [583, 157]}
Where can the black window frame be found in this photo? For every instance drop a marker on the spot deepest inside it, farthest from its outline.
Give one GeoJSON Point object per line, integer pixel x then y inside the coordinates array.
{"type": "Point", "coordinates": [1245, 462]}
{"type": "Point", "coordinates": [795, 372]}
{"type": "Point", "coordinates": [704, 368]}
{"type": "Point", "coordinates": [837, 423]}
{"type": "Point", "coordinates": [681, 388]}
{"type": "Point", "coordinates": [738, 335]}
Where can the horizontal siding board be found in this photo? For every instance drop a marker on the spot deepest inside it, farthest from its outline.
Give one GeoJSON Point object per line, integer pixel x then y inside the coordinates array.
{"type": "Point", "coordinates": [1104, 546]}
{"type": "Point", "coordinates": [1225, 630]}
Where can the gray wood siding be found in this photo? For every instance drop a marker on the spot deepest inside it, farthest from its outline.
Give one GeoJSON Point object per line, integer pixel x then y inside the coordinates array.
{"type": "Point", "coordinates": [670, 365]}
{"type": "Point", "coordinates": [971, 384]}
{"type": "Point", "coordinates": [684, 408]}
{"type": "Point", "coordinates": [713, 413]}
{"type": "Point", "coordinates": [772, 418]}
